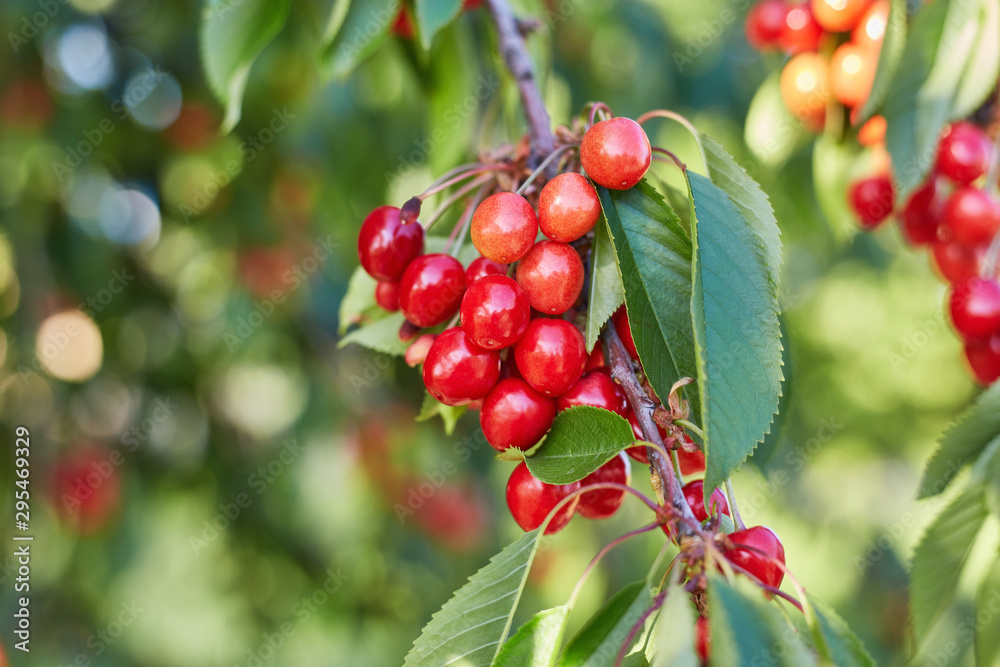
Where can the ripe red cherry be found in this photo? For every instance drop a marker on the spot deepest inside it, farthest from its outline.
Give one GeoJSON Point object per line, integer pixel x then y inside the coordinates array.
{"type": "Point", "coordinates": [964, 153]}
{"type": "Point", "coordinates": [530, 500]}
{"type": "Point", "coordinates": [568, 207]}
{"type": "Point", "coordinates": [984, 359]}
{"type": "Point", "coordinates": [386, 246]}
{"type": "Point", "coordinates": [872, 199]}
{"type": "Point", "coordinates": [956, 262]}
{"type": "Point", "coordinates": [922, 213]}
{"type": "Point", "coordinates": [431, 289]}
{"type": "Point", "coordinates": [975, 308]}
{"type": "Point", "coordinates": [457, 371]}
{"type": "Point", "coordinates": [694, 492]}
{"type": "Point", "coordinates": [603, 503]}
{"type": "Point", "coordinates": [800, 31]}
{"type": "Point", "coordinates": [552, 276]}
{"type": "Point", "coordinates": [692, 463]}
{"type": "Point", "coordinates": [481, 267]}
{"type": "Point", "coordinates": [595, 388]}
{"type": "Point", "coordinates": [615, 153]}
{"type": "Point", "coordinates": [624, 331]}
{"type": "Point", "coordinates": [551, 355]}
{"type": "Point", "coordinates": [515, 415]}
{"type": "Point", "coordinates": [86, 489]}
{"type": "Point", "coordinates": [702, 639]}
{"type": "Point", "coordinates": [970, 216]}
{"type": "Point", "coordinates": [765, 24]}
{"type": "Point", "coordinates": [504, 227]}
{"type": "Point", "coordinates": [387, 295]}
{"type": "Point", "coordinates": [760, 565]}
{"type": "Point", "coordinates": [495, 312]}
{"type": "Point", "coordinates": [596, 359]}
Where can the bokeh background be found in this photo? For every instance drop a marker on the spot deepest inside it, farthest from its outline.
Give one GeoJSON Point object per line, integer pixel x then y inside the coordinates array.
{"type": "Point", "coordinates": [215, 483]}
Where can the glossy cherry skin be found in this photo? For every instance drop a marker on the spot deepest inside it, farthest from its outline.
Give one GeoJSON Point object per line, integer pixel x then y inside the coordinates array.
{"type": "Point", "coordinates": [387, 295]}
{"type": "Point", "coordinates": [922, 214]}
{"type": "Point", "coordinates": [457, 371]}
{"type": "Point", "coordinates": [431, 289]}
{"type": "Point", "coordinates": [765, 24]}
{"type": "Point", "coordinates": [970, 217]}
{"type": "Point", "coordinates": [975, 308]}
{"type": "Point", "coordinates": [873, 200]}
{"type": "Point", "coordinates": [530, 501]}
{"type": "Point", "coordinates": [805, 87]}
{"type": "Point", "coordinates": [596, 359]}
{"type": "Point", "coordinates": [692, 463]}
{"type": "Point", "coordinates": [568, 207]}
{"type": "Point", "coordinates": [616, 153]}
{"type": "Point", "coordinates": [495, 312]}
{"type": "Point", "coordinates": [603, 503]}
{"type": "Point", "coordinates": [595, 388]}
{"type": "Point", "coordinates": [624, 331]}
{"type": "Point", "coordinates": [386, 246]}
{"type": "Point", "coordinates": [800, 32]}
{"type": "Point", "coordinates": [852, 73]}
{"type": "Point", "coordinates": [504, 227]}
{"type": "Point", "coordinates": [515, 415]}
{"type": "Point", "coordinates": [481, 267]}
{"type": "Point", "coordinates": [839, 15]}
{"type": "Point", "coordinates": [552, 276]}
{"type": "Point", "coordinates": [956, 262]}
{"type": "Point", "coordinates": [758, 564]}
{"type": "Point", "coordinates": [870, 30]}
{"type": "Point", "coordinates": [551, 355]}
{"type": "Point", "coordinates": [702, 639]}
{"type": "Point", "coordinates": [984, 359]}
{"type": "Point", "coordinates": [964, 153]}
{"type": "Point", "coordinates": [694, 492]}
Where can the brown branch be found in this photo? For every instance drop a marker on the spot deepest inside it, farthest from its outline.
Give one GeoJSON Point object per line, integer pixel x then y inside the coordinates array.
{"type": "Point", "coordinates": [515, 55]}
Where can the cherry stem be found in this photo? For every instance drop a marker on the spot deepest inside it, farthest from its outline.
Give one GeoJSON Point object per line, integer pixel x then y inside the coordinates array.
{"type": "Point", "coordinates": [732, 504]}
{"type": "Point", "coordinates": [542, 167]}
{"type": "Point", "coordinates": [465, 175]}
{"type": "Point", "coordinates": [454, 197]}
{"type": "Point", "coordinates": [458, 234]}
{"type": "Point", "coordinates": [674, 116]}
{"type": "Point", "coordinates": [515, 55]}
{"type": "Point", "coordinates": [598, 107]}
{"type": "Point", "coordinates": [462, 168]}
{"type": "Point", "coordinates": [691, 427]}
{"type": "Point", "coordinates": [676, 160]}
{"type": "Point", "coordinates": [600, 554]}
{"type": "Point", "coordinates": [666, 573]}
{"type": "Point", "coordinates": [657, 603]}
{"type": "Point", "coordinates": [677, 464]}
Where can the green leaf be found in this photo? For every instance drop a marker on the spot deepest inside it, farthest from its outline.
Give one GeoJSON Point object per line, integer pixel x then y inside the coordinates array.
{"type": "Point", "coordinates": [983, 66]}
{"type": "Point", "coordinates": [987, 606]}
{"type": "Point", "coordinates": [735, 311]}
{"type": "Point", "coordinates": [941, 554]}
{"type": "Point", "coordinates": [432, 408]}
{"type": "Point", "coordinates": [842, 646]}
{"type": "Point", "coordinates": [835, 165]}
{"type": "Point", "coordinates": [455, 94]}
{"type": "Point", "coordinates": [381, 335]}
{"type": "Point", "coordinates": [676, 636]}
{"type": "Point", "coordinates": [654, 258]}
{"type": "Point", "coordinates": [606, 291]}
{"type": "Point", "coordinates": [432, 15]}
{"type": "Point", "coordinates": [537, 642]}
{"type": "Point", "coordinates": [581, 440]}
{"type": "Point", "coordinates": [771, 131]}
{"type": "Point", "coordinates": [232, 35]}
{"type": "Point", "coordinates": [471, 627]}
{"type": "Point", "coordinates": [889, 58]}
{"type": "Point", "coordinates": [598, 641]}
{"type": "Point", "coordinates": [963, 442]}
{"type": "Point", "coordinates": [359, 301]}
{"type": "Point", "coordinates": [363, 31]}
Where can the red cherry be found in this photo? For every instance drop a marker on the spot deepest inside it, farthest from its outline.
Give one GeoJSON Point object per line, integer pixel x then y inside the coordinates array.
{"type": "Point", "coordinates": [552, 276]}
{"type": "Point", "coordinates": [692, 463]}
{"type": "Point", "coordinates": [568, 207]}
{"type": "Point", "coordinates": [85, 489]}
{"type": "Point", "coordinates": [620, 319]}
{"type": "Point", "coordinates": [956, 262]}
{"type": "Point", "coordinates": [964, 153]}
{"type": "Point", "coordinates": [495, 312]}
{"type": "Point", "coordinates": [800, 31]}
{"type": "Point", "coordinates": [603, 503]}
{"type": "Point", "coordinates": [922, 213]}
{"type": "Point", "coordinates": [694, 492]}
{"type": "Point", "coordinates": [984, 359]}
{"type": "Point", "coordinates": [975, 308]}
{"type": "Point", "coordinates": [839, 15]}
{"type": "Point", "coordinates": [872, 199]}
{"type": "Point", "coordinates": [386, 246]}
{"type": "Point", "coordinates": [551, 355]}
{"type": "Point", "coordinates": [970, 217]}
{"type": "Point", "coordinates": [760, 565]}
{"type": "Point", "coordinates": [387, 295]}
{"type": "Point", "coordinates": [530, 500]}
{"type": "Point", "coordinates": [637, 452]}
{"type": "Point", "coordinates": [402, 26]}
{"type": "Point", "coordinates": [481, 267]}
{"type": "Point", "coordinates": [870, 30]}
{"type": "Point", "coordinates": [765, 24]}
{"type": "Point", "coordinates": [703, 639]}
{"type": "Point", "coordinates": [615, 153]}
{"type": "Point", "coordinates": [596, 359]}
{"type": "Point", "coordinates": [515, 415]}
{"type": "Point", "coordinates": [596, 389]}
{"type": "Point", "coordinates": [457, 371]}
{"type": "Point", "coordinates": [418, 349]}
{"type": "Point", "coordinates": [504, 227]}
{"type": "Point", "coordinates": [431, 289]}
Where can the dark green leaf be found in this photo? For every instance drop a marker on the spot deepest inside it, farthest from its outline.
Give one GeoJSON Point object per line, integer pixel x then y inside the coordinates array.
{"type": "Point", "coordinates": [654, 257]}
{"type": "Point", "coordinates": [735, 313]}
{"type": "Point", "coordinates": [363, 31]}
{"type": "Point", "coordinates": [598, 641]}
{"type": "Point", "coordinates": [432, 15]}
{"type": "Point", "coordinates": [537, 642]}
{"type": "Point", "coordinates": [232, 35]}
{"type": "Point", "coordinates": [889, 58]}
{"type": "Point", "coordinates": [841, 645]}
{"type": "Point", "coordinates": [381, 335]}
{"type": "Point", "coordinates": [455, 97]}
{"type": "Point", "coordinates": [471, 627]}
{"type": "Point", "coordinates": [963, 442]}
{"type": "Point", "coordinates": [606, 291]}
{"type": "Point", "coordinates": [941, 554]}
{"type": "Point", "coordinates": [771, 131]}
{"type": "Point", "coordinates": [450, 415]}
{"type": "Point", "coordinates": [675, 638]}
{"type": "Point", "coordinates": [983, 64]}
{"type": "Point", "coordinates": [581, 440]}
{"type": "Point", "coordinates": [988, 609]}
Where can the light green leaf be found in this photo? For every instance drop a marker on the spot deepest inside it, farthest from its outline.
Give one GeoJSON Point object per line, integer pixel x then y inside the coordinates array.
{"type": "Point", "coordinates": [735, 311]}
{"type": "Point", "coordinates": [432, 15]}
{"type": "Point", "coordinates": [471, 627]}
{"type": "Point", "coordinates": [983, 64]}
{"type": "Point", "coordinates": [232, 35]}
{"type": "Point", "coordinates": [941, 554]}
{"type": "Point", "coordinates": [581, 440]}
{"type": "Point", "coordinates": [889, 58]}
{"type": "Point", "coordinates": [598, 641]}
{"type": "Point", "coordinates": [359, 301]}
{"type": "Point", "coordinates": [606, 291]}
{"type": "Point", "coordinates": [676, 636]}
{"type": "Point", "coordinates": [840, 644]}
{"type": "Point", "coordinates": [835, 165]}
{"type": "Point", "coordinates": [456, 93]}
{"type": "Point", "coordinates": [450, 415]}
{"type": "Point", "coordinates": [654, 258]}
{"type": "Point", "coordinates": [771, 131]}
{"type": "Point", "coordinates": [381, 335]}
{"type": "Point", "coordinates": [363, 30]}
{"type": "Point", "coordinates": [537, 642]}
{"type": "Point", "coordinates": [963, 442]}
{"type": "Point", "coordinates": [987, 606]}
